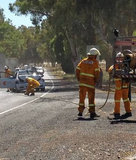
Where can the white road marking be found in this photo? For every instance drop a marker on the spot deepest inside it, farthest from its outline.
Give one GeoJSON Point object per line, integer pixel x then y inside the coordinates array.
{"type": "Point", "coordinates": [14, 108]}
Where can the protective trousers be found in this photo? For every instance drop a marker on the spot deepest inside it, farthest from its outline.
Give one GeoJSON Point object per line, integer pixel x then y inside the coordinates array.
{"type": "Point", "coordinates": [82, 95]}
{"type": "Point", "coordinates": [121, 93]}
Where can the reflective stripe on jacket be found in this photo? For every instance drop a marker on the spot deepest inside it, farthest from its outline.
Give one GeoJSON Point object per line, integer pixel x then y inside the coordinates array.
{"type": "Point", "coordinates": [87, 72]}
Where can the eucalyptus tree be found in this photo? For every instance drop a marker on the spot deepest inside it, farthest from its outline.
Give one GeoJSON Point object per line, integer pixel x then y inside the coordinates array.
{"type": "Point", "coordinates": [126, 16]}
{"type": "Point", "coordinates": [82, 22]}
{"type": "Point", "coordinates": [46, 39]}
{"type": "Point", "coordinates": [11, 40]}
{"type": "Point", "coordinates": [102, 16]}
{"type": "Point", "coordinates": [1, 16]}
{"type": "Point", "coordinates": [60, 14]}
{"type": "Point", "coordinates": [30, 54]}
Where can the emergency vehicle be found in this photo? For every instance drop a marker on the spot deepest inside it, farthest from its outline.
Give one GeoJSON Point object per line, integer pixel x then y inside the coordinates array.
{"type": "Point", "coordinates": [126, 42]}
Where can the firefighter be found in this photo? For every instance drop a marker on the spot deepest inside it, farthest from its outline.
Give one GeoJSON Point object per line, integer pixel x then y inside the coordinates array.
{"type": "Point", "coordinates": [8, 73]}
{"type": "Point", "coordinates": [87, 73]}
{"type": "Point", "coordinates": [32, 84]}
{"type": "Point", "coordinates": [121, 89]}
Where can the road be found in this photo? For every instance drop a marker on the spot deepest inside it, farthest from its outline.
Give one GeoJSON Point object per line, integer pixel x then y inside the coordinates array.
{"type": "Point", "coordinates": [46, 127]}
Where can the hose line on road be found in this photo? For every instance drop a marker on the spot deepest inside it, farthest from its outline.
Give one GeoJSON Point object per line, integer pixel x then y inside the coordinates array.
{"type": "Point", "coordinates": [78, 103]}
{"type": "Point", "coordinates": [109, 83]}
{"type": "Point", "coordinates": [99, 109]}
{"type": "Point", "coordinates": [67, 101]}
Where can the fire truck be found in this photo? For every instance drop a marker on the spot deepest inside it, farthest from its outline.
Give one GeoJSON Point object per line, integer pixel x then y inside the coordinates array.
{"type": "Point", "coordinates": [128, 70]}
{"type": "Point", "coordinates": [122, 43]}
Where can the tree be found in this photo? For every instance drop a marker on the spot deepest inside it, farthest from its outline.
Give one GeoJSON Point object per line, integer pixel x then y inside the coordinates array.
{"type": "Point", "coordinates": [11, 40]}
{"type": "Point", "coordinates": [82, 22]}
{"type": "Point", "coordinates": [52, 10]}
{"type": "Point", "coordinates": [1, 16]}
{"type": "Point", "coordinates": [32, 42]}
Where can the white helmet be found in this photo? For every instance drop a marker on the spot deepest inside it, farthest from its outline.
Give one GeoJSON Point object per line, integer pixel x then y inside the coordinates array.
{"type": "Point", "coordinates": [6, 67]}
{"type": "Point", "coordinates": [119, 55]}
{"type": "Point", "coordinates": [26, 66]}
{"type": "Point", "coordinates": [93, 52]}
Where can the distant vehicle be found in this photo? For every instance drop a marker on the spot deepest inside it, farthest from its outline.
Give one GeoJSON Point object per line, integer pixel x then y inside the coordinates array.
{"type": "Point", "coordinates": [18, 82]}
{"type": "Point", "coordinates": [40, 70]}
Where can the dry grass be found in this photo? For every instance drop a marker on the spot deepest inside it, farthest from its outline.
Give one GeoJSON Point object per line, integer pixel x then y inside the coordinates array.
{"type": "Point", "coordinates": [58, 72]}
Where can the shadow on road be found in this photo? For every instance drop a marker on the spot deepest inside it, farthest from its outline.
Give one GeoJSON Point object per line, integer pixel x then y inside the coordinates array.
{"type": "Point", "coordinates": [84, 119]}
{"type": "Point", "coordinates": [122, 121]}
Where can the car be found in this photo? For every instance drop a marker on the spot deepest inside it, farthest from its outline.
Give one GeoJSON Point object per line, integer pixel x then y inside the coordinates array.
{"type": "Point", "coordinates": [21, 76]}
{"type": "Point", "coordinates": [18, 83]}
{"type": "Point", "coordinates": [40, 70]}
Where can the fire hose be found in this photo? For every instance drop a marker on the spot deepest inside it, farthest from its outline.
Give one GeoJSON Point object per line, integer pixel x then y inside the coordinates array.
{"type": "Point", "coordinates": [107, 93]}
{"type": "Point", "coordinates": [87, 107]}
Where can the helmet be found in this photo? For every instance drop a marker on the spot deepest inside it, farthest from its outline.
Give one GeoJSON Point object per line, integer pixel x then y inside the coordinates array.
{"type": "Point", "coordinates": [127, 51]}
{"type": "Point", "coordinates": [6, 67]}
{"type": "Point", "coordinates": [26, 66]}
{"type": "Point", "coordinates": [119, 55]}
{"type": "Point", "coordinates": [93, 52]}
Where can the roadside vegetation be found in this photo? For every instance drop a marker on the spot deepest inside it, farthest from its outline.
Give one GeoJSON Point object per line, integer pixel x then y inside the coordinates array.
{"type": "Point", "coordinates": [59, 73]}
{"type": "Point", "coordinates": [64, 30]}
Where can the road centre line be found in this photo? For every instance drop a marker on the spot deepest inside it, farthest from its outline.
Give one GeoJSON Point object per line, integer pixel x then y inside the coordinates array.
{"type": "Point", "coordinates": [19, 106]}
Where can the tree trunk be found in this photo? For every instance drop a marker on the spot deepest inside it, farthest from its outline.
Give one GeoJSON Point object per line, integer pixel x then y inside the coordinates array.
{"type": "Point", "coordinates": [74, 49]}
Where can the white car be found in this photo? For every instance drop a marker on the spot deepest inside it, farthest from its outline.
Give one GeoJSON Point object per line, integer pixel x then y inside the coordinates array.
{"type": "Point", "coordinates": [40, 70]}
{"type": "Point", "coordinates": [18, 82]}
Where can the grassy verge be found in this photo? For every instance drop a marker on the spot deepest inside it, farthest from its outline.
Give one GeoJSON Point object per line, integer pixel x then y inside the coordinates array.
{"type": "Point", "coordinates": [57, 71]}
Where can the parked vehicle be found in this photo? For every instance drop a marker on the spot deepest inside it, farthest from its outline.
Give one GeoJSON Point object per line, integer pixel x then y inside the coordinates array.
{"type": "Point", "coordinates": [18, 82]}
{"type": "Point", "coordinates": [40, 70]}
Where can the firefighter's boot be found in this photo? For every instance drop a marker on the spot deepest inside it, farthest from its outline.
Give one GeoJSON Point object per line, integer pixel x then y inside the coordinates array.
{"type": "Point", "coordinates": [93, 115]}
{"type": "Point", "coordinates": [31, 94]}
{"type": "Point", "coordinates": [116, 115]}
{"type": "Point", "coordinates": [80, 114]}
{"type": "Point", "coordinates": [126, 115]}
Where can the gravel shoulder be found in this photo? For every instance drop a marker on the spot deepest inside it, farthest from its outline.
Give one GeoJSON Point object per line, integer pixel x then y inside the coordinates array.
{"type": "Point", "coordinates": [99, 139]}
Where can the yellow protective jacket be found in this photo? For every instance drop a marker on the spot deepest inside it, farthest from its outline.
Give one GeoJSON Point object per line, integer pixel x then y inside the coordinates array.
{"type": "Point", "coordinates": [33, 82]}
{"type": "Point", "coordinates": [119, 84]}
{"type": "Point", "coordinates": [8, 73]}
{"type": "Point", "coordinates": [87, 72]}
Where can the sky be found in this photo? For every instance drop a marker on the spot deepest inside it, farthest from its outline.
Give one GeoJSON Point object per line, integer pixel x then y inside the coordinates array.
{"type": "Point", "coordinates": [16, 20]}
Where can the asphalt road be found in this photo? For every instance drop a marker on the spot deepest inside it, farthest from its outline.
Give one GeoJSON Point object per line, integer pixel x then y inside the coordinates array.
{"type": "Point", "coordinates": [46, 127]}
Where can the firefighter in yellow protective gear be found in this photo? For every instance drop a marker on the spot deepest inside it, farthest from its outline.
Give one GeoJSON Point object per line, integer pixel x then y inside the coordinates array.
{"type": "Point", "coordinates": [87, 73]}
{"type": "Point", "coordinates": [8, 73]}
{"type": "Point", "coordinates": [121, 90]}
{"type": "Point", "coordinates": [32, 84]}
